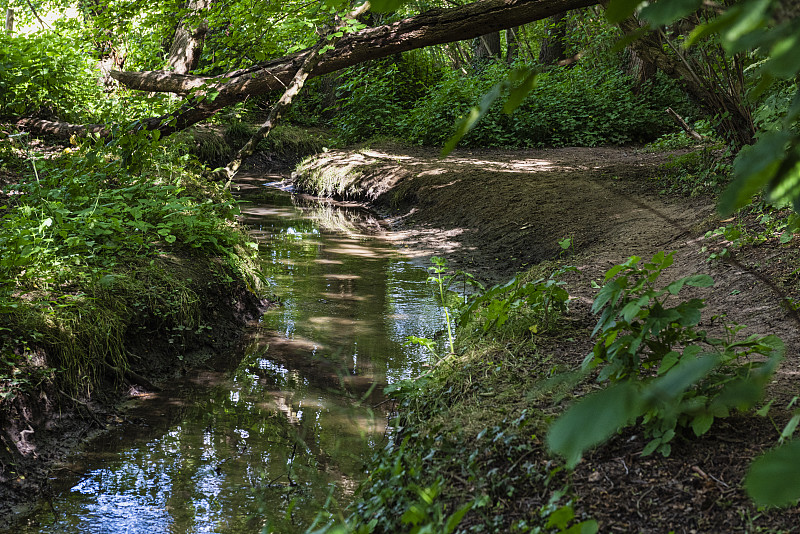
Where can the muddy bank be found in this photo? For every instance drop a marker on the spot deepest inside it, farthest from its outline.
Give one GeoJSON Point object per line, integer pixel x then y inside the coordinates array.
{"type": "Point", "coordinates": [45, 422]}
{"type": "Point", "coordinates": [494, 213]}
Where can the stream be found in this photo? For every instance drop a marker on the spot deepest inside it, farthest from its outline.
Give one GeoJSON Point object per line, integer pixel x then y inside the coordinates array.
{"type": "Point", "coordinates": [284, 434]}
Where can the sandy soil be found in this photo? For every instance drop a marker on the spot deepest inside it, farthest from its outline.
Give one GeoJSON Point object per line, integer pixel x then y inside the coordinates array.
{"type": "Point", "coordinates": [493, 213]}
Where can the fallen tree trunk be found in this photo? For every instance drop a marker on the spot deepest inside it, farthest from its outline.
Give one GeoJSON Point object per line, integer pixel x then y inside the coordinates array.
{"type": "Point", "coordinates": [438, 26]}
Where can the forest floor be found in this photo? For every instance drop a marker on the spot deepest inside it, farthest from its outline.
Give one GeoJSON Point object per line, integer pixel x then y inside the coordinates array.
{"type": "Point", "coordinates": [494, 213]}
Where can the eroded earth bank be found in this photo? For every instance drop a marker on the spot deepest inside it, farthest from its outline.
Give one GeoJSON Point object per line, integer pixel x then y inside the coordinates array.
{"type": "Point", "coordinates": [494, 213]}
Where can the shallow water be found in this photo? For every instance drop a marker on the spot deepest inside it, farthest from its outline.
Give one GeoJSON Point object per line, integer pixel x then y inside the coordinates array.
{"type": "Point", "coordinates": [269, 443]}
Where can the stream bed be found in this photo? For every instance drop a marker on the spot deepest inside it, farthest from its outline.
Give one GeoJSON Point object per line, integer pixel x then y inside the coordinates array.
{"type": "Point", "coordinates": [287, 429]}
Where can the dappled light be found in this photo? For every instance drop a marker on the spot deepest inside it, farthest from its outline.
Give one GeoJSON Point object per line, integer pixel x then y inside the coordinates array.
{"type": "Point", "coordinates": [390, 266]}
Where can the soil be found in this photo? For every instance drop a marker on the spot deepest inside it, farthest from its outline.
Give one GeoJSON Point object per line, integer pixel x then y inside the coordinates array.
{"type": "Point", "coordinates": [40, 428]}
{"type": "Point", "coordinates": [493, 213]}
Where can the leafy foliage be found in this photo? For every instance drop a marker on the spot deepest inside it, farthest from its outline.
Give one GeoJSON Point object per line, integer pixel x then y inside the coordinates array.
{"type": "Point", "coordinates": [372, 96]}
{"type": "Point", "coordinates": [579, 106]}
{"type": "Point", "coordinates": [662, 368]}
{"type": "Point", "coordinates": [84, 241]}
{"type": "Point", "coordinates": [44, 74]}
{"type": "Point", "coordinates": [536, 303]}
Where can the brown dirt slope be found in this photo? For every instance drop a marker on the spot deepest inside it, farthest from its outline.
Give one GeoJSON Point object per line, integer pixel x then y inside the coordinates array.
{"type": "Point", "coordinates": [493, 213]}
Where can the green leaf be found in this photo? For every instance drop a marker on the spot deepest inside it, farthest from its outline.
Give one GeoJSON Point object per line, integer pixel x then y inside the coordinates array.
{"type": "Point", "coordinates": [702, 423]}
{"type": "Point", "coordinates": [745, 18]}
{"type": "Point", "coordinates": [696, 280]}
{"type": "Point", "coordinates": [623, 43]}
{"type": "Point", "coordinates": [619, 10]}
{"type": "Point", "coordinates": [664, 12]}
{"type": "Point", "coordinates": [668, 361]}
{"type": "Point", "coordinates": [386, 6]}
{"type": "Point", "coordinates": [651, 446]}
{"type": "Point", "coordinates": [784, 59]}
{"type": "Point", "coordinates": [754, 167]}
{"type": "Point", "coordinates": [560, 518]}
{"type": "Point", "coordinates": [680, 378]}
{"type": "Point", "coordinates": [462, 128]}
{"type": "Point", "coordinates": [455, 519]}
{"type": "Point", "coordinates": [518, 94]}
{"type": "Point", "coordinates": [774, 478]}
{"type": "Point", "coordinates": [593, 420]}
{"type": "Point", "coordinates": [790, 427]}
{"type": "Point", "coordinates": [784, 189]}
{"type": "Point", "coordinates": [585, 527]}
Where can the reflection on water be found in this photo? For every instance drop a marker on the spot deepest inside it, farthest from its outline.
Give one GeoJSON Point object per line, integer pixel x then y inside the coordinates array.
{"type": "Point", "coordinates": [268, 443]}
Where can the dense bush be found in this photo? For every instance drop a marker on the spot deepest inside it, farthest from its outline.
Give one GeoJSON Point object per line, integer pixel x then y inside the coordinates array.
{"type": "Point", "coordinates": [574, 106]}
{"type": "Point", "coordinates": [47, 75]}
{"type": "Point", "coordinates": [43, 74]}
{"type": "Point", "coordinates": [373, 96]}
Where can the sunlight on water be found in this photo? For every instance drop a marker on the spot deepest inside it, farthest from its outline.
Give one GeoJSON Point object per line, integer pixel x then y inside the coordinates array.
{"type": "Point", "coordinates": [291, 427]}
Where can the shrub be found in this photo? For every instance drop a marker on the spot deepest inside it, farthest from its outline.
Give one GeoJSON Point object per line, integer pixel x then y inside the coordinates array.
{"type": "Point", "coordinates": [43, 73]}
{"type": "Point", "coordinates": [577, 106]}
{"type": "Point", "coordinates": [373, 96]}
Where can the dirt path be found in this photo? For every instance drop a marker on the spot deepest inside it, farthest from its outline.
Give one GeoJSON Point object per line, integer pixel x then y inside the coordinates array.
{"type": "Point", "coordinates": [493, 213]}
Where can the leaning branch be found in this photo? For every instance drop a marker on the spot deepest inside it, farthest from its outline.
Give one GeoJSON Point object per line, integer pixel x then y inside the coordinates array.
{"type": "Point", "coordinates": [311, 62]}
{"type": "Point", "coordinates": [438, 26]}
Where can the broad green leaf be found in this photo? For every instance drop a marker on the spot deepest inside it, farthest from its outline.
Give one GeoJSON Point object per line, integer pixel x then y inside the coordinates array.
{"type": "Point", "coordinates": [585, 527]}
{"type": "Point", "coordinates": [651, 446]}
{"type": "Point", "coordinates": [623, 43]}
{"type": "Point", "coordinates": [630, 311]}
{"type": "Point", "coordinates": [716, 26]}
{"type": "Point", "coordinates": [702, 423]}
{"type": "Point", "coordinates": [690, 312]}
{"type": "Point", "coordinates": [455, 519]}
{"type": "Point", "coordinates": [593, 420]}
{"type": "Point", "coordinates": [680, 378]}
{"type": "Point", "coordinates": [518, 94]}
{"type": "Point", "coordinates": [386, 6]}
{"type": "Point", "coordinates": [560, 518]}
{"type": "Point", "coordinates": [790, 427]}
{"type": "Point", "coordinates": [664, 12]}
{"type": "Point", "coordinates": [695, 280]}
{"type": "Point", "coordinates": [618, 10]}
{"type": "Point", "coordinates": [754, 167]}
{"type": "Point", "coordinates": [748, 17]}
{"type": "Point", "coordinates": [668, 361]}
{"type": "Point", "coordinates": [462, 128]}
{"type": "Point", "coordinates": [784, 189]}
{"type": "Point", "coordinates": [784, 59]}
{"type": "Point", "coordinates": [774, 478]}
{"type": "Point", "coordinates": [609, 292]}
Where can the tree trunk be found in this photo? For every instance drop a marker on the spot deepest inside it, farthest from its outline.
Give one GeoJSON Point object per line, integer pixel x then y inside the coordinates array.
{"type": "Point", "coordinates": [437, 26]}
{"type": "Point", "coordinates": [720, 94]}
{"type": "Point", "coordinates": [512, 44]}
{"type": "Point", "coordinates": [553, 47]}
{"type": "Point", "coordinates": [9, 21]}
{"type": "Point", "coordinates": [640, 70]}
{"type": "Point", "coordinates": [187, 44]}
{"type": "Point", "coordinates": [487, 46]}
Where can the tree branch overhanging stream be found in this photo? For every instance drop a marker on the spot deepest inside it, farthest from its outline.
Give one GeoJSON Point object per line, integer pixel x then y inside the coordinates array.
{"type": "Point", "coordinates": [437, 26]}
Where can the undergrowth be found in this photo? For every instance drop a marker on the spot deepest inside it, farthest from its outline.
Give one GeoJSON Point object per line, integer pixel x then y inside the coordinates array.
{"type": "Point", "coordinates": [96, 245]}
{"type": "Point", "coordinates": [213, 144]}
{"type": "Point", "coordinates": [467, 443]}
